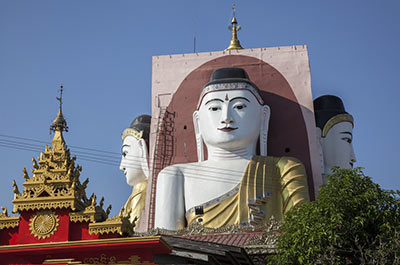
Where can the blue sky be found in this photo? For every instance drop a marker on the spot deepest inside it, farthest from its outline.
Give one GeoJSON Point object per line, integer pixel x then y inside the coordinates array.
{"type": "Point", "coordinates": [101, 51]}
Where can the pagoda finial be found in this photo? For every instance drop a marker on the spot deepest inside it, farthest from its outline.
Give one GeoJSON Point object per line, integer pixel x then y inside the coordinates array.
{"type": "Point", "coordinates": [235, 43]}
{"type": "Point", "coordinates": [59, 123]}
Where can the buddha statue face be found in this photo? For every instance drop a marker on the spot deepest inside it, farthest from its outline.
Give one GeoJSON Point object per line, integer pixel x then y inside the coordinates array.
{"type": "Point", "coordinates": [334, 132]}
{"type": "Point", "coordinates": [131, 161]}
{"type": "Point", "coordinates": [134, 160]}
{"type": "Point", "coordinates": [230, 119]}
{"type": "Point", "coordinates": [231, 114]}
{"type": "Point", "coordinates": [337, 147]}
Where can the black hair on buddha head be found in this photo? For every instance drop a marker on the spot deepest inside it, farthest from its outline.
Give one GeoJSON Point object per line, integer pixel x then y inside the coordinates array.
{"type": "Point", "coordinates": [230, 78]}
{"type": "Point", "coordinates": [230, 75]}
{"type": "Point", "coordinates": [326, 107]}
{"type": "Point", "coordinates": [142, 124]}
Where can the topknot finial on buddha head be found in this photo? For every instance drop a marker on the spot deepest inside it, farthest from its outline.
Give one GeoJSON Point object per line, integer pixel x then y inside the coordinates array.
{"type": "Point", "coordinates": [235, 43]}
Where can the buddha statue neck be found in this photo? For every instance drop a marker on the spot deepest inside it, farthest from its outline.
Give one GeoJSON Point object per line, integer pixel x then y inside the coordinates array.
{"type": "Point", "coordinates": [217, 154]}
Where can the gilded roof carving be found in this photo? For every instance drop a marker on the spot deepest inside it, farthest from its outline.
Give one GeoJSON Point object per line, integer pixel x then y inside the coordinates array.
{"type": "Point", "coordinates": [8, 221]}
{"type": "Point", "coordinates": [54, 184]}
{"type": "Point", "coordinates": [55, 181]}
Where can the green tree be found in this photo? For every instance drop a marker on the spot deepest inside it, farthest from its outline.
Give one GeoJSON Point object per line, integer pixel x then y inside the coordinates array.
{"type": "Point", "coordinates": [353, 221]}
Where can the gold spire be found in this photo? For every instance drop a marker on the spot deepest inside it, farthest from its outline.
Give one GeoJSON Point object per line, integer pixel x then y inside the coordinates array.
{"type": "Point", "coordinates": [59, 123]}
{"type": "Point", "coordinates": [235, 43]}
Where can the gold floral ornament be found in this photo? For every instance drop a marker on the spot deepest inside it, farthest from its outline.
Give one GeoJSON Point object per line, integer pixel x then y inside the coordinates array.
{"type": "Point", "coordinates": [44, 224]}
{"type": "Point", "coordinates": [335, 120]}
{"type": "Point", "coordinates": [132, 132]}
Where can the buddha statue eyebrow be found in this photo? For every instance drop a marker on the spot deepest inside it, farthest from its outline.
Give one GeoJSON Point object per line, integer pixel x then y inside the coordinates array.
{"type": "Point", "coordinates": [347, 133]}
{"type": "Point", "coordinates": [124, 146]}
{"type": "Point", "coordinates": [239, 98]}
{"type": "Point", "coordinates": [214, 99]}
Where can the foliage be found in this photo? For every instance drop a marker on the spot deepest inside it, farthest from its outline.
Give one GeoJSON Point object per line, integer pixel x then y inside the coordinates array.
{"type": "Point", "coordinates": [353, 221]}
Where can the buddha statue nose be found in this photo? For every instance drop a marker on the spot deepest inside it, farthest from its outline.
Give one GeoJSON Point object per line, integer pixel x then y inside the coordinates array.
{"type": "Point", "coordinates": [353, 155]}
{"type": "Point", "coordinates": [226, 117]}
{"type": "Point", "coordinates": [227, 121]}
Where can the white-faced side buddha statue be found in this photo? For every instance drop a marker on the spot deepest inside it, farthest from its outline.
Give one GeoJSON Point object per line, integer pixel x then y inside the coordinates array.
{"type": "Point", "coordinates": [335, 132]}
{"type": "Point", "coordinates": [234, 185]}
{"type": "Point", "coordinates": [135, 165]}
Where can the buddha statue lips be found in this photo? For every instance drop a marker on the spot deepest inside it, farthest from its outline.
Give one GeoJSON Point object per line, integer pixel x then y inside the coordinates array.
{"type": "Point", "coordinates": [227, 129]}
{"type": "Point", "coordinates": [233, 185]}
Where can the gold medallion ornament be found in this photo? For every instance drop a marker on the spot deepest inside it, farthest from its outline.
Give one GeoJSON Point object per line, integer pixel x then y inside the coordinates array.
{"type": "Point", "coordinates": [44, 224]}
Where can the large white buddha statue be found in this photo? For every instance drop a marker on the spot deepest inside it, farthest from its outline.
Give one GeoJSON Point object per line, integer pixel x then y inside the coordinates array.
{"type": "Point", "coordinates": [335, 131]}
{"type": "Point", "coordinates": [135, 165]}
{"type": "Point", "coordinates": [234, 185]}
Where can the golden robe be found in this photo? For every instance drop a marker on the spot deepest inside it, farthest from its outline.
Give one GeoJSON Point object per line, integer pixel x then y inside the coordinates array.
{"type": "Point", "coordinates": [270, 186]}
{"type": "Point", "coordinates": [136, 202]}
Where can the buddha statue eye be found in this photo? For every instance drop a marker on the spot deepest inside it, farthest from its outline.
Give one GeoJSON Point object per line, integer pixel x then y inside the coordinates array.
{"type": "Point", "coordinates": [124, 153]}
{"type": "Point", "coordinates": [240, 106]}
{"type": "Point", "coordinates": [347, 139]}
{"type": "Point", "coordinates": [214, 108]}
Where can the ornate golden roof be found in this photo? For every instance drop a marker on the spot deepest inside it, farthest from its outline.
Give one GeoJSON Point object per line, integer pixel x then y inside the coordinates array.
{"type": "Point", "coordinates": [235, 43]}
{"type": "Point", "coordinates": [55, 184]}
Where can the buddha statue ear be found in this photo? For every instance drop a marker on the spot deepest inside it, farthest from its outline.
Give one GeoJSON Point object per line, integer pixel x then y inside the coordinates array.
{"type": "Point", "coordinates": [199, 139]}
{"type": "Point", "coordinates": [144, 157]}
{"type": "Point", "coordinates": [320, 140]}
{"type": "Point", "coordinates": [265, 115]}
